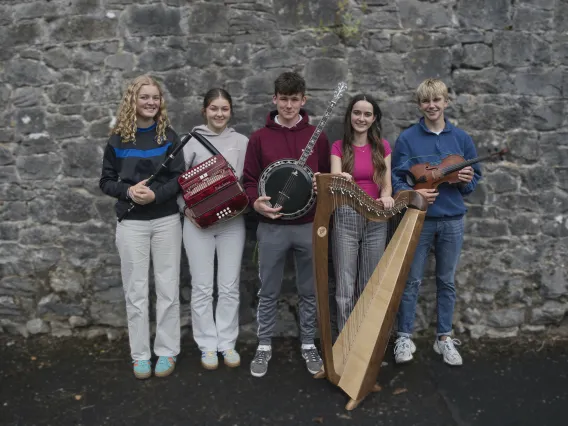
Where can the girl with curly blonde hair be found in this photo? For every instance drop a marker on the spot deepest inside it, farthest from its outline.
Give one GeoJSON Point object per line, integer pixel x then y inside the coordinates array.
{"type": "Point", "coordinates": [126, 122]}
{"type": "Point", "coordinates": [140, 142]}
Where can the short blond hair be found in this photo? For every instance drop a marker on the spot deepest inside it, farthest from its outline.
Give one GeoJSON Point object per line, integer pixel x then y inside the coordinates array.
{"type": "Point", "coordinates": [430, 89]}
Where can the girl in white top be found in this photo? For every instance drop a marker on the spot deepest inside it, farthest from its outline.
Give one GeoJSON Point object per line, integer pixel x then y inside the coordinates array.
{"type": "Point", "coordinates": [214, 334]}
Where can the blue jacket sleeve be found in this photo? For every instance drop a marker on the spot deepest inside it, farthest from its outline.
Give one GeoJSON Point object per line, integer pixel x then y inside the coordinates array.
{"type": "Point", "coordinates": [470, 153]}
{"type": "Point", "coordinates": [400, 164]}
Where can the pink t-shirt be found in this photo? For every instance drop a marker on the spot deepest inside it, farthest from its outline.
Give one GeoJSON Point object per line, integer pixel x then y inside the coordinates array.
{"type": "Point", "coordinates": [362, 166]}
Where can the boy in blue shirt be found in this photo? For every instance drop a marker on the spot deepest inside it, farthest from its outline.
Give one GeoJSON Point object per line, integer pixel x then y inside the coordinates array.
{"type": "Point", "coordinates": [431, 140]}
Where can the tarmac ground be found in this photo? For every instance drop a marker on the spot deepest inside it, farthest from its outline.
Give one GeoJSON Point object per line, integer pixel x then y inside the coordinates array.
{"type": "Point", "coordinates": [49, 381]}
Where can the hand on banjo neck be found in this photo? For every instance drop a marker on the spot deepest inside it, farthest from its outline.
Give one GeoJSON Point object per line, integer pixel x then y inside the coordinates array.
{"type": "Point", "coordinates": [261, 207]}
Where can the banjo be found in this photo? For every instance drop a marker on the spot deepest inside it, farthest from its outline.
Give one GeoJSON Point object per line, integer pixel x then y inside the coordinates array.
{"type": "Point", "coordinates": [288, 182]}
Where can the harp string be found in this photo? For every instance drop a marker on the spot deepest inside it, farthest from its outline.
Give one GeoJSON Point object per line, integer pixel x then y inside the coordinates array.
{"type": "Point", "coordinates": [338, 224]}
{"type": "Point", "coordinates": [372, 239]}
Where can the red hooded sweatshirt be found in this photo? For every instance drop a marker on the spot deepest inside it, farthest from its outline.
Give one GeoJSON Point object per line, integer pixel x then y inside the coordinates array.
{"type": "Point", "coordinates": [275, 142]}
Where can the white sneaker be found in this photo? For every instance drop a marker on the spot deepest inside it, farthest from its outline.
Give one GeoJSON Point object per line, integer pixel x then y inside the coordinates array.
{"type": "Point", "coordinates": [448, 350]}
{"type": "Point", "coordinates": [404, 347]}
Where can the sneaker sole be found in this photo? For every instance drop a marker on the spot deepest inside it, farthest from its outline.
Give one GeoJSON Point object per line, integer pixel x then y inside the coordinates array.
{"type": "Point", "coordinates": [404, 362]}
{"type": "Point", "coordinates": [232, 364]}
{"type": "Point", "coordinates": [210, 367]}
{"type": "Point", "coordinates": [164, 373]}
{"type": "Point", "coordinates": [143, 376]}
{"type": "Point", "coordinates": [258, 374]}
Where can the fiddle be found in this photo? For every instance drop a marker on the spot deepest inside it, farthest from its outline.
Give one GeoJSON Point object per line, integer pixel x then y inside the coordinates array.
{"type": "Point", "coordinates": [427, 176]}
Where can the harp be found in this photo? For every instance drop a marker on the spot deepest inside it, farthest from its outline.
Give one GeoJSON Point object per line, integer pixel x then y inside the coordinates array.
{"type": "Point", "coordinates": [353, 361]}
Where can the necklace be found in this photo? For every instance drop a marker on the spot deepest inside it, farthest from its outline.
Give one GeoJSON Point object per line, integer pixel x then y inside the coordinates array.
{"type": "Point", "coordinates": [362, 148]}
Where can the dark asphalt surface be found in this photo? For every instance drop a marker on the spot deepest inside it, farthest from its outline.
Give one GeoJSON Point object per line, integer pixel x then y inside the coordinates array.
{"type": "Point", "coordinates": [78, 382]}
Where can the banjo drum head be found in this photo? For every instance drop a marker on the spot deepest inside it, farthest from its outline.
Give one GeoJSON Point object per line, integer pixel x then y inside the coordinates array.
{"type": "Point", "coordinates": [299, 191]}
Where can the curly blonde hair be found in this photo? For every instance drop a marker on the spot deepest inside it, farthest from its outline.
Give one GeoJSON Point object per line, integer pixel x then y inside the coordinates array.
{"type": "Point", "coordinates": [126, 116]}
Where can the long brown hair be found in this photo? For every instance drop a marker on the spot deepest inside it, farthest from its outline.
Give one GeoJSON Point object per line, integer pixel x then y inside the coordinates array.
{"type": "Point", "coordinates": [373, 136]}
{"type": "Point", "coordinates": [126, 116]}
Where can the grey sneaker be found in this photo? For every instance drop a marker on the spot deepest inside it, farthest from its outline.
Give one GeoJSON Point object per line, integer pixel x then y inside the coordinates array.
{"type": "Point", "coordinates": [404, 347]}
{"type": "Point", "coordinates": [259, 364]}
{"type": "Point", "coordinates": [313, 360]}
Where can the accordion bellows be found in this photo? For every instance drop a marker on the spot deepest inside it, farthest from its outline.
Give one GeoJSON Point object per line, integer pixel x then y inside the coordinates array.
{"type": "Point", "coordinates": [212, 192]}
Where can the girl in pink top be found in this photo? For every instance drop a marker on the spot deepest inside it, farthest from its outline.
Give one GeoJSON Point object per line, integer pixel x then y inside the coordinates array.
{"type": "Point", "coordinates": [358, 244]}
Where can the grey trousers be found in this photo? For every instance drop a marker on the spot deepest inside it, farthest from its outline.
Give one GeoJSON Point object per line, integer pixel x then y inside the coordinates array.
{"type": "Point", "coordinates": [358, 245]}
{"type": "Point", "coordinates": [136, 240]}
{"type": "Point", "coordinates": [274, 241]}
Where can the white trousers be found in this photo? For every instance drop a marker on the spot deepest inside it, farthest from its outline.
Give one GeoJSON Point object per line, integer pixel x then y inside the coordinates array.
{"type": "Point", "coordinates": [217, 333]}
{"type": "Point", "coordinates": [136, 240]}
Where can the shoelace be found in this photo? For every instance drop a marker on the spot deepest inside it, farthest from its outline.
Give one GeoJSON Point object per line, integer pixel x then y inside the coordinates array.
{"type": "Point", "coordinates": [165, 360]}
{"type": "Point", "coordinates": [207, 354]}
{"type": "Point", "coordinates": [402, 344]}
{"type": "Point", "coordinates": [260, 357]}
{"type": "Point", "coordinates": [312, 354]}
{"type": "Point", "coordinates": [141, 363]}
{"type": "Point", "coordinates": [451, 342]}
{"type": "Point", "coordinates": [451, 351]}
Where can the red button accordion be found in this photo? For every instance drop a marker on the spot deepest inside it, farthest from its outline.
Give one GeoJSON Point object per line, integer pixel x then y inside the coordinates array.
{"type": "Point", "coordinates": [211, 190]}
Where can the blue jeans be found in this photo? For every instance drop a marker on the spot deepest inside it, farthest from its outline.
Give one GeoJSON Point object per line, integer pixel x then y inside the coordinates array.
{"type": "Point", "coordinates": [447, 237]}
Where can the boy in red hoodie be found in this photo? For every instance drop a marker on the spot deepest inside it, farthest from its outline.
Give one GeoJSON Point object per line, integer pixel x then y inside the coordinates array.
{"type": "Point", "coordinates": [285, 135]}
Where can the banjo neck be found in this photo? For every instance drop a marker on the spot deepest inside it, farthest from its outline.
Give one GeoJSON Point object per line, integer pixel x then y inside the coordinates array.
{"type": "Point", "coordinates": [341, 87]}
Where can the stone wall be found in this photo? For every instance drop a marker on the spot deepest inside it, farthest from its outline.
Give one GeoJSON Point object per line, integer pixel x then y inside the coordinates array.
{"type": "Point", "coordinates": [65, 63]}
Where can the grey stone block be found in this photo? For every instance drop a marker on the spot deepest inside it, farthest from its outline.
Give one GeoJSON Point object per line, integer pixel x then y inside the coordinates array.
{"type": "Point", "coordinates": [477, 55]}
{"type": "Point", "coordinates": [325, 73]}
{"type": "Point", "coordinates": [41, 166]}
{"type": "Point", "coordinates": [30, 120]}
{"type": "Point", "coordinates": [549, 312]}
{"type": "Point", "coordinates": [65, 93]}
{"type": "Point", "coordinates": [417, 14]}
{"type": "Point", "coordinates": [37, 326]}
{"type": "Point", "coordinates": [69, 29]}
{"type": "Point", "coordinates": [152, 20]}
{"type": "Point", "coordinates": [487, 14]}
{"type": "Point", "coordinates": [504, 318]}
{"type": "Point", "coordinates": [208, 18]}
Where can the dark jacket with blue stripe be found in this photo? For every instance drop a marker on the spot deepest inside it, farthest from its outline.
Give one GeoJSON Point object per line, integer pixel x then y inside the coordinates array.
{"type": "Point", "coordinates": [126, 164]}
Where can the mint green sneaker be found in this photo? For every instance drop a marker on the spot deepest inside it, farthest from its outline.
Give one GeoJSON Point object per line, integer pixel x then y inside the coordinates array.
{"type": "Point", "coordinates": [165, 366]}
{"type": "Point", "coordinates": [209, 360]}
{"type": "Point", "coordinates": [232, 358]}
{"type": "Point", "coordinates": [142, 368]}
